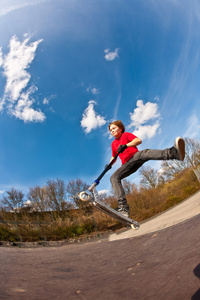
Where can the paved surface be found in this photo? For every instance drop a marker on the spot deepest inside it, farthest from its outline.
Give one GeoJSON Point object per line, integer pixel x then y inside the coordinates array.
{"type": "Point", "coordinates": [181, 212]}
{"type": "Point", "coordinates": [161, 264]}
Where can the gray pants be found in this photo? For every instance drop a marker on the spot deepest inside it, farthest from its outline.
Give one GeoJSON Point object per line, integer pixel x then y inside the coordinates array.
{"type": "Point", "coordinates": [134, 163]}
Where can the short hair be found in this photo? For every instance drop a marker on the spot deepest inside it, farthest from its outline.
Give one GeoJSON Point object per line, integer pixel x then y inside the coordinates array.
{"type": "Point", "coordinates": [118, 124]}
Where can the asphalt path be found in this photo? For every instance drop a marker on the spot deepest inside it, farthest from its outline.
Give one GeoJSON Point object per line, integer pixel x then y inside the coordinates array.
{"type": "Point", "coordinates": [159, 261]}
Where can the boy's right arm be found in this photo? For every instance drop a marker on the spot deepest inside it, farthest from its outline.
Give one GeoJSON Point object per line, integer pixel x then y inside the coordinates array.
{"type": "Point", "coordinates": [112, 161]}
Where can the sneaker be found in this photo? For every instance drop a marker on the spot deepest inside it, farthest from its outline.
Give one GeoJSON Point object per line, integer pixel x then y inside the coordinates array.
{"type": "Point", "coordinates": [123, 211]}
{"type": "Point", "coordinates": [180, 146]}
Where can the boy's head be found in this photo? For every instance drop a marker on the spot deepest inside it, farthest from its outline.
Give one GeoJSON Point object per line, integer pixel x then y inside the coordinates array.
{"type": "Point", "coordinates": [118, 124]}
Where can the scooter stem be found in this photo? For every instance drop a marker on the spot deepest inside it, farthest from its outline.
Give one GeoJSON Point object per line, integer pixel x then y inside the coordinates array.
{"type": "Point", "coordinates": [108, 167]}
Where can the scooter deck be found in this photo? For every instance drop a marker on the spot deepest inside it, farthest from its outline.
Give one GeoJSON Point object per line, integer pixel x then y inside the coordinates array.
{"type": "Point", "coordinates": [116, 215]}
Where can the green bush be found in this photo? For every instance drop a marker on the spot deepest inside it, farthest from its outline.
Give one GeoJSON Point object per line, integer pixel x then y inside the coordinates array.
{"type": "Point", "coordinates": [6, 234]}
{"type": "Point", "coordinates": [172, 200]}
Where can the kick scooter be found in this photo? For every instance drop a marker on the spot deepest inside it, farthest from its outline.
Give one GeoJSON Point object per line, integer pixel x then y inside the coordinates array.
{"type": "Point", "coordinates": [91, 195]}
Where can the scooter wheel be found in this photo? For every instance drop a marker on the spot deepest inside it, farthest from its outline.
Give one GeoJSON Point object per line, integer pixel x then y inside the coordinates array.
{"type": "Point", "coordinates": [84, 196]}
{"type": "Point", "coordinates": [135, 227]}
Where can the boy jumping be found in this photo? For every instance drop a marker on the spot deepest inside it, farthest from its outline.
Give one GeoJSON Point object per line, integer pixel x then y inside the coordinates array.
{"type": "Point", "coordinates": [132, 159]}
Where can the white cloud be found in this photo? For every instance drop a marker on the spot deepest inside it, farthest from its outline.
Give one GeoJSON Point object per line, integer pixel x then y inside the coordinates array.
{"type": "Point", "coordinates": [103, 192]}
{"type": "Point", "coordinates": [110, 56]}
{"type": "Point", "coordinates": [15, 64]}
{"type": "Point", "coordinates": [47, 100]}
{"type": "Point", "coordinates": [142, 115]}
{"type": "Point", "coordinates": [91, 120]}
{"type": "Point", "coordinates": [23, 109]}
{"type": "Point", "coordinates": [147, 131]}
{"type": "Point", "coordinates": [28, 203]}
{"type": "Point", "coordinates": [94, 91]}
{"type": "Point", "coordinates": [144, 112]}
{"type": "Point", "coordinates": [17, 95]}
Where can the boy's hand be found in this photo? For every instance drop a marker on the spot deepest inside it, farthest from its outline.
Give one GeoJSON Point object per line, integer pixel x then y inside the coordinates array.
{"type": "Point", "coordinates": [121, 148]}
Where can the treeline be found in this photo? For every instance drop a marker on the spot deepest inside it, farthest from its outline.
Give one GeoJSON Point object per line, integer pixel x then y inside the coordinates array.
{"type": "Point", "coordinates": [55, 195]}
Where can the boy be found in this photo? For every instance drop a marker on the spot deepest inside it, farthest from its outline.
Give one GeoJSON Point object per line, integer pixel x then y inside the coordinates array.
{"type": "Point", "coordinates": [132, 159]}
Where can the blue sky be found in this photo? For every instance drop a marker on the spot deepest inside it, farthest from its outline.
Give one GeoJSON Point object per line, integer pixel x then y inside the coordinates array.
{"type": "Point", "coordinates": [68, 68]}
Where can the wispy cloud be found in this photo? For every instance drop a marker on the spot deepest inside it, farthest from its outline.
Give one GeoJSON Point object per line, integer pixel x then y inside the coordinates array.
{"type": "Point", "coordinates": [17, 95]}
{"type": "Point", "coordinates": [90, 119]}
{"type": "Point", "coordinates": [110, 56]}
{"type": "Point", "coordinates": [187, 58]}
{"type": "Point", "coordinates": [12, 5]}
{"type": "Point", "coordinates": [117, 106]}
{"type": "Point", "coordinates": [193, 124]}
{"type": "Point", "coordinates": [143, 114]}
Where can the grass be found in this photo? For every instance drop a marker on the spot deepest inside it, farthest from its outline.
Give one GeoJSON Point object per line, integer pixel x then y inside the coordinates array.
{"type": "Point", "coordinates": [54, 226]}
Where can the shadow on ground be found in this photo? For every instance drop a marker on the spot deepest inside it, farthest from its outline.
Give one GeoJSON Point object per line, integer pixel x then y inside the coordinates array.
{"type": "Point", "coordinates": [196, 296]}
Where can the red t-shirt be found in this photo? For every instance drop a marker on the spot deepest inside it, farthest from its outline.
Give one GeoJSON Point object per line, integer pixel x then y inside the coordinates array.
{"type": "Point", "coordinates": [125, 138]}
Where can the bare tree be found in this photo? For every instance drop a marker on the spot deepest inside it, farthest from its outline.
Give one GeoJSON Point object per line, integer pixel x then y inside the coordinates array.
{"type": "Point", "coordinates": [192, 152]}
{"type": "Point", "coordinates": [149, 177]}
{"type": "Point", "coordinates": [74, 187]}
{"type": "Point", "coordinates": [56, 194]}
{"type": "Point", "coordinates": [170, 168]}
{"type": "Point", "coordinates": [127, 186]}
{"type": "Point", "coordinates": [14, 199]}
{"type": "Point", "coordinates": [38, 198]}
{"type": "Point", "coordinates": [160, 178]}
